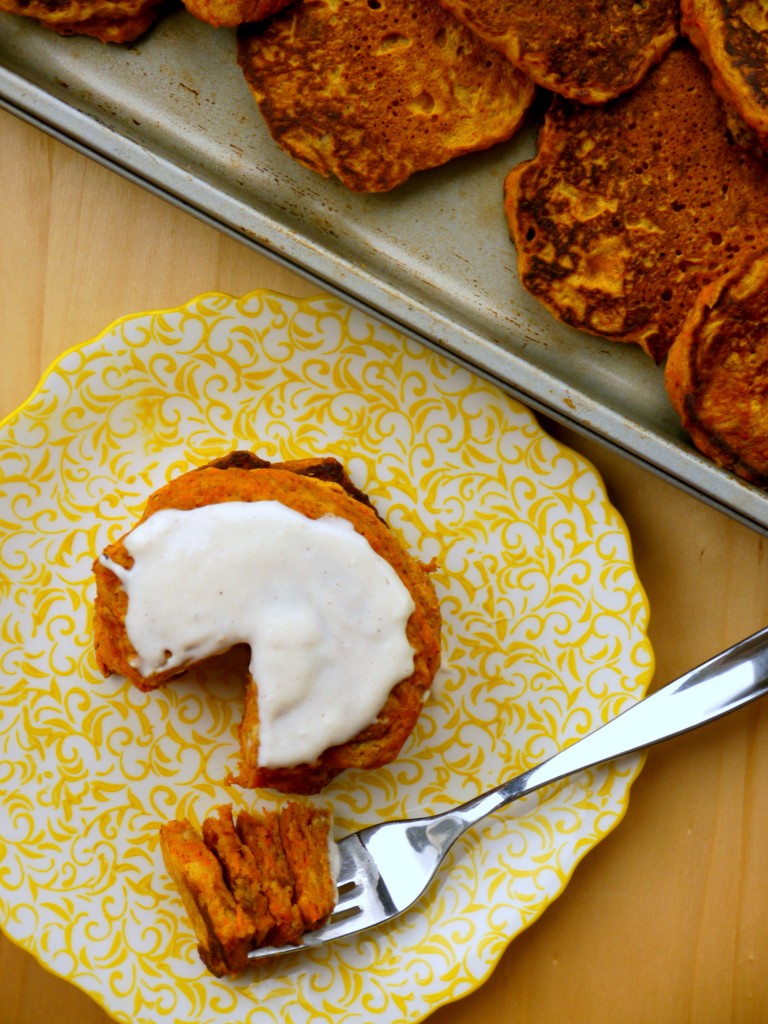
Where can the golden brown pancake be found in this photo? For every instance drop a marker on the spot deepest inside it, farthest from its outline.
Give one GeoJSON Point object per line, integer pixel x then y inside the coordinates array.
{"type": "Point", "coordinates": [732, 39]}
{"type": "Point", "coordinates": [717, 371]}
{"type": "Point", "coordinates": [261, 834]}
{"type": "Point", "coordinates": [223, 929]}
{"type": "Point", "coordinates": [591, 53]}
{"type": "Point", "coordinates": [372, 92]}
{"type": "Point", "coordinates": [111, 21]}
{"type": "Point", "coordinates": [628, 210]}
{"type": "Point", "coordinates": [305, 836]}
{"type": "Point", "coordinates": [227, 879]}
{"type": "Point", "coordinates": [314, 487]}
{"type": "Point", "coordinates": [241, 871]}
{"type": "Point", "coordinates": [230, 13]}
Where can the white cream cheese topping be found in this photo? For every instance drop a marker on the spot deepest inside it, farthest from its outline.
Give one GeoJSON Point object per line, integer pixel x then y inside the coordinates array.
{"type": "Point", "coordinates": [323, 614]}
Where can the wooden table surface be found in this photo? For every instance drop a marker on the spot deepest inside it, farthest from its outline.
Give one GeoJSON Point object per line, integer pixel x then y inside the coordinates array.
{"type": "Point", "coordinates": [666, 921]}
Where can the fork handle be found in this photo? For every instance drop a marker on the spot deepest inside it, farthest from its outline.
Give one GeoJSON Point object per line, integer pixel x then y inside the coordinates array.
{"type": "Point", "coordinates": [726, 682]}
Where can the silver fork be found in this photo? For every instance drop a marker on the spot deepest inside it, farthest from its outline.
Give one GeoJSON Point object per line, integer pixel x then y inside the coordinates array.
{"type": "Point", "coordinates": [385, 868]}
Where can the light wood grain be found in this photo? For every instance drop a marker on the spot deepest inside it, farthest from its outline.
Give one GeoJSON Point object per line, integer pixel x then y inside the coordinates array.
{"type": "Point", "coordinates": [666, 921]}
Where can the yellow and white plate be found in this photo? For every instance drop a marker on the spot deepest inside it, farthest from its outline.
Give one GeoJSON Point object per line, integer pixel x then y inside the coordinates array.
{"type": "Point", "coordinates": [545, 638]}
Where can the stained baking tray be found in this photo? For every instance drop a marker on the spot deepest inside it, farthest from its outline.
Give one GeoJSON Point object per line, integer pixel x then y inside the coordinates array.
{"type": "Point", "coordinates": [173, 113]}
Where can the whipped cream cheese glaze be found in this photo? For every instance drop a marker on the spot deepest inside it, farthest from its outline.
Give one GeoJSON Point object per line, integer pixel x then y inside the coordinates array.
{"type": "Point", "coordinates": [324, 615]}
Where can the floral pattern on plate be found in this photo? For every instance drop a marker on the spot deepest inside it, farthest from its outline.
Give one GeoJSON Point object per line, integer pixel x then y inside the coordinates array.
{"type": "Point", "coordinates": [545, 638]}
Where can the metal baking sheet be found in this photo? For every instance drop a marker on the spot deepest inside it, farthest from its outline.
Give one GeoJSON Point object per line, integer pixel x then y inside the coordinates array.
{"type": "Point", "coordinates": [433, 258]}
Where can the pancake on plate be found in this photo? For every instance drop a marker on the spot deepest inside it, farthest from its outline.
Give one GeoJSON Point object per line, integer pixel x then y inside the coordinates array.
{"type": "Point", "coordinates": [629, 209]}
{"type": "Point", "coordinates": [227, 877]}
{"type": "Point", "coordinates": [732, 38]}
{"type": "Point", "coordinates": [372, 92]}
{"type": "Point", "coordinates": [231, 13]}
{"type": "Point", "coordinates": [111, 21]}
{"type": "Point", "coordinates": [592, 53]}
{"type": "Point", "coordinates": [315, 489]}
{"type": "Point", "coordinates": [717, 371]}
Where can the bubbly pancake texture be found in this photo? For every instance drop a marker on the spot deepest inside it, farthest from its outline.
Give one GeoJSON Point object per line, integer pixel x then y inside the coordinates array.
{"type": "Point", "coordinates": [372, 92]}
{"type": "Point", "coordinates": [628, 210]}
{"type": "Point", "coordinates": [717, 371]}
{"type": "Point", "coordinates": [111, 21]}
{"type": "Point", "coordinates": [732, 39]}
{"type": "Point", "coordinates": [592, 54]}
{"type": "Point", "coordinates": [314, 488]}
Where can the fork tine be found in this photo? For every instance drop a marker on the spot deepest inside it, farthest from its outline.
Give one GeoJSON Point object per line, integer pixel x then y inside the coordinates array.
{"type": "Point", "coordinates": [338, 925]}
{"type": "Point", "coordinates": [349, 894]}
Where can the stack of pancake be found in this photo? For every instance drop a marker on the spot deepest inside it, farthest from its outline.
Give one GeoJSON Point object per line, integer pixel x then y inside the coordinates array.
{"type": "Point", "coordinates": [314, 487]}
{"type": "Point", "coordinates": [264, 879]}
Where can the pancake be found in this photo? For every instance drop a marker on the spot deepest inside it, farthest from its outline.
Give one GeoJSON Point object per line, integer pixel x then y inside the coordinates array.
{"type": "Point", "coordinates": [629, 209]}
{"type": "Point", "coordinates": [111, 21]}
{"type": "Point", "coordinates": [591, 55]}
{"type": "Point", "coordinates": [223, 929]}
{"type": "Point", "coordinates": [305, 836]}
{"type": "Point", "coordinates": [261, 835]}
{"type": "Point", "coordinates": [231, 13]}
{"type": "Point", "coordinates": [241, 871]}
{"type": "Point", "coordinates": [315, 488]}
{"type": "Point", "coordinates": [717, 371]}
{"type": "Point", "coordinates": [732, 39]}
{"type": "Point", "coordinates": [373, 92]}
{"type": "Point", "coordinates": [227, 879]}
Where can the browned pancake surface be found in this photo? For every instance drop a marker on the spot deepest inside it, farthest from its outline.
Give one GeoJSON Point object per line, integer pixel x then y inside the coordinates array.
{"type": "Point", "coordinates": [230, 13]}
{"type": "Point", "coordinates": [591, 53]}
{"type": "Point", "coordinates": [372, 92]}
{"type": "Point", "coordinates": [732, 38]}
{"type": "Point", "coordinates": [111, 21]}
{"type": "Point", "coordinates": [717, 371]}
{"type": "Point", "coordinates": [628, 210]}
